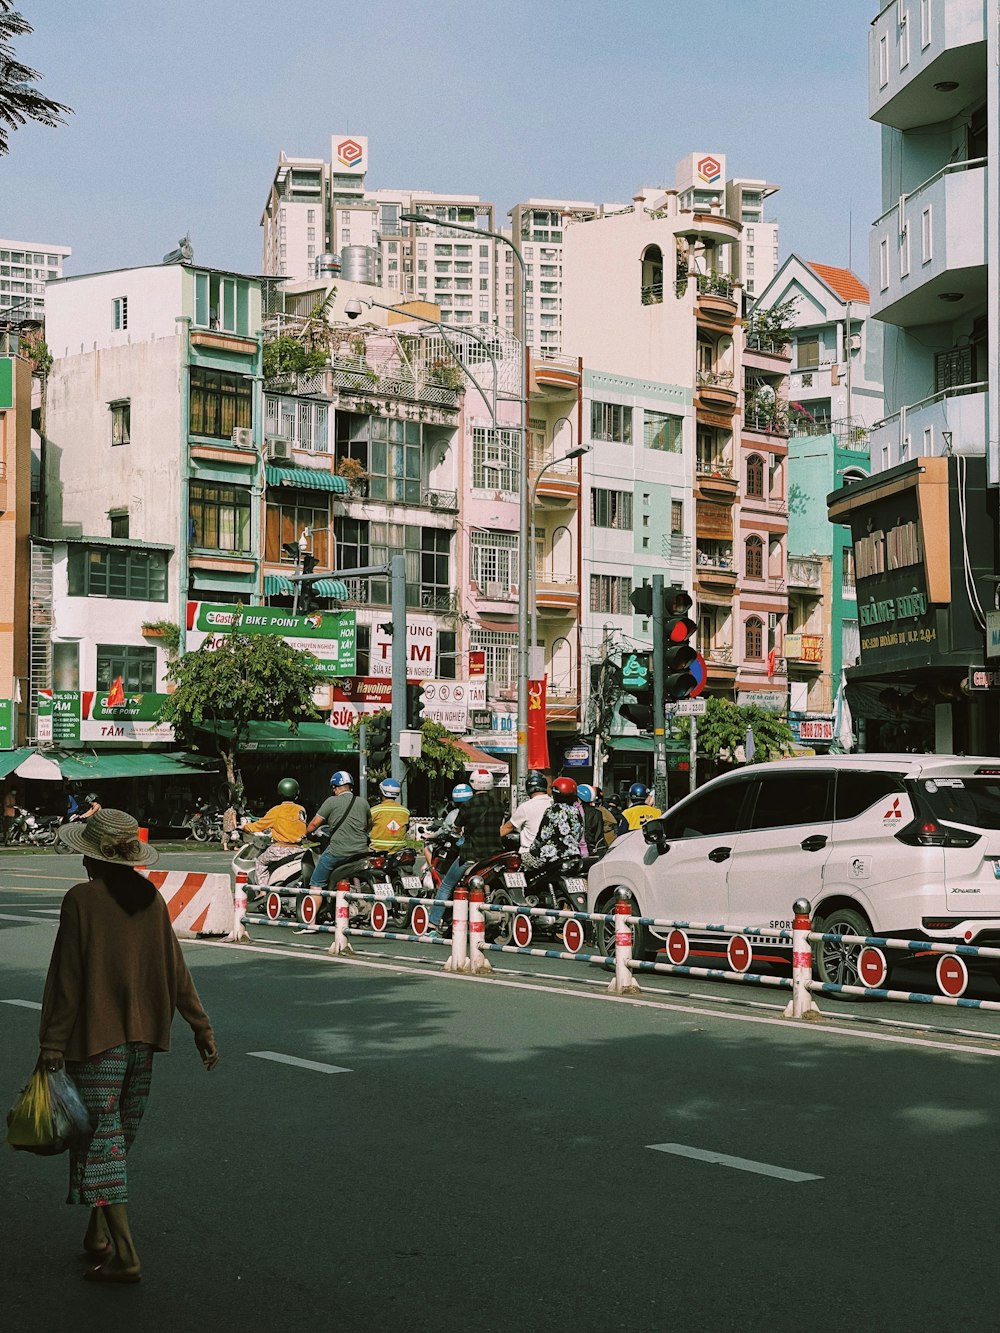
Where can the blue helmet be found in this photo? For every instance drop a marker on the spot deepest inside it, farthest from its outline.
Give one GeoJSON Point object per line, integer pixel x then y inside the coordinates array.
{"type": "Point", "coordinates": [638, 792]}
{"type": "Point", "coordinates": [461, 794]}
{"type": "Point", "coordinates": [341, 779]}
{"type": "Point", "coordinates": [390, 788]}
{"type": "Point", "coordinates": [585, 792]}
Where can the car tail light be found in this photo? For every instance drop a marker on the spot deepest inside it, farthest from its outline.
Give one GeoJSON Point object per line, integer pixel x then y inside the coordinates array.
{"type": "Point", "coordinates": [987, 772]}
{"type": "Point", "coordinates": [512, 861]}
{"type": "Point", "coordinates": [940, 922]}
{"type": "Point", "coordinates": [931, 833]}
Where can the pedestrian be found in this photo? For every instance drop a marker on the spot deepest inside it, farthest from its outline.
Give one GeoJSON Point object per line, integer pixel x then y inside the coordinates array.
{"type": "Point", "coordinates": [349, 819]}
{"type": "Point", "coordinates": [9, 812]}
{"type": "Point", "coordinates": [115, 980]}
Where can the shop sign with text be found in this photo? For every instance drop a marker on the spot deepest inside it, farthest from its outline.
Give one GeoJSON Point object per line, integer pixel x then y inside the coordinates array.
{"type": "Point", "coordinates": [331, 636]}
{"type": "Point", "coordinates": [68, 717]}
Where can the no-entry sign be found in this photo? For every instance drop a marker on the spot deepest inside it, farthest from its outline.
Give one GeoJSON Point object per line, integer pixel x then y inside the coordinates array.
{"type": "Point", "coordinates": [739, 953]}
{"type": "Point", "coordinates": [872, 967]}
{"type": "Point", "coordinates": [952, 976]}
{"type": "Point", "coordinates": [678, 947]}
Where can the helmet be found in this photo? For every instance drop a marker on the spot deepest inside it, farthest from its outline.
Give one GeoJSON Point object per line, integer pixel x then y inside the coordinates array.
{"type": "Point", "coordinates": [599, 795]}
{"type": "Point", "coordinates": [481, 779]}
{"type": "Point", "coordinates": [535, 782]}
{"type": "Point", "coordinates": [564, 789]}
{"type": "Point", "coordinates": [585, 793]}
{"type": "Point", "coordinates": [461, 794]}
{"type": "Point", "coordinates": [390, 788]}
{"type": "Point", "coordinates": [638, 792]}
{"type": "Point", "coordinates": [341, 779]}
{"type": "Point", "coordinates": [288, 788]}
{"type": "Point", "coordinates": [91, 796]}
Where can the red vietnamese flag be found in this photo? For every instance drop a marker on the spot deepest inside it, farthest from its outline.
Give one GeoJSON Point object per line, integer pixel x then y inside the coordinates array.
{"type": "Point", "coordinates": [116, 695]}
{"type": "Point", "coordinates": [538, 740]}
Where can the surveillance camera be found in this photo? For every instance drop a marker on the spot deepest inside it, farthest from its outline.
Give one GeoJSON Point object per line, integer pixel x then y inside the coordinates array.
{"type": "Point", "coordinates": [353, 309]}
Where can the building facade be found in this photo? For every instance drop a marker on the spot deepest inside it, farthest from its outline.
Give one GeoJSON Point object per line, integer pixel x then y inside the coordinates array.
{"type": "Point", "coordinates": [25, 268]}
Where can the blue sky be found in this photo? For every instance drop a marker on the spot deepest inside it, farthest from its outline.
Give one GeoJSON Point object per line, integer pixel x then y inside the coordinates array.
{"type": "Point", "coordinates": [181, 110]}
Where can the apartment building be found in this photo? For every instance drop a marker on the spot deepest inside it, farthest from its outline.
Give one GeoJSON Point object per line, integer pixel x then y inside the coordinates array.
{"type": "Point", "coordinates": [15, 520]}
{"type": "Point", "coordinates": [701, 185]}
{"type": "Point", "coordinates": [25, 268]}
{"type": "Point", "coordinates": [925, 549]}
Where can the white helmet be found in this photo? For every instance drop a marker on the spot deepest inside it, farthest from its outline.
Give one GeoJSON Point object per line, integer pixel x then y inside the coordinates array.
{"type": "Point", "coordinates": [481, 779]}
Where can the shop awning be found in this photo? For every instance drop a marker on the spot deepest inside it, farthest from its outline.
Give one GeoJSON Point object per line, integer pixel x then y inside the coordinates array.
{"type": "Point", "coordinates": [305, 478]}
{"type": "Point", "coordinates": [108, 764]}
{"type": "Point", "coordinates": [639, 743]}
{"type": "Point", "coordinates": [474, 758]}
{"type": "Point", "coordinates": [279, 585]}
{"type": "Point", "coordinates": [278, 738]}
{"type": "Point", "coordinates": [9, 759]}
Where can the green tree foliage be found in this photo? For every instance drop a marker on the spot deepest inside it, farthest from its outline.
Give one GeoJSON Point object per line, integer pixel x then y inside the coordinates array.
{"type": "Point", "coordinates": [248, 678]}
{"type": "Point", "coordinates": [438, 757]}
{"type": "Point", "coordinates": [20, 100]}
{"type": "Point", "coordinates": [773, 327]}
{"type": "Point", "coordinates": [287, 356]}
{"type": "Point", "coordinates": [723, 727]}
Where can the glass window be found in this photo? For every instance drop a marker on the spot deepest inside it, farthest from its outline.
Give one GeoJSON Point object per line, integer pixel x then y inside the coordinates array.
{"type": "Point", "coordinates": [288, 514]}
{"type": "Point", "coordinates": [754, 639]}
{"type": "Point", "coordinates": [661, 431]}
{"type": "Point", "coordinates": [710, 813]}
{"type": "Point", "coordinates": [676, 518]}
{"type": "Point", "coordinates": [119, 524]}
{"type": "Point", "coordinates": [611, 509]}
{"type": "Point", "coordinates": [609, 594]}
{"type": "Point", "coordinates": [755, 476]}
{"type": "Point", "coordinates": [754, 558]}
{"type": "Point", "coordinates": [494, 561]}
{"type": "Point", "coordinates": [435, 575]}
{"type": "Point", "coordinates": [119, 312]}
{"type": "Point", "coordinates": [220, 402]}
{"type": "Point", "coordinates": [223, 302]}
{"type": "Point", "coordinates": [496, 463]}
{"type": "Point", "coordinates": [807, 352]}
{"type": "Point", "coordinates": [219, 517]}
{"type": "Point", "coordinates": [611, 422]}
{"type": "Point", "coordinates": [975, 802]}
{"type": "Point", "coordinates": [108, 571]}
{"type": "Point", "coordinates": [121, 422]}
{"type": "Point", "coordinates": [786, 799]}
{"type": "Point", "coordinates": [136, 666]}
{"type": "Point", "coordinates": [501, 655]}
{"type": "Point", "coordinates": [857, 792]}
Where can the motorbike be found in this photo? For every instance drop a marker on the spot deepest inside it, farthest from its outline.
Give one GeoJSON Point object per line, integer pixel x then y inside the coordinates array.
{"type": "Point", "coordinates": [26, 829]}
{"type": "Point", "coordinates": [206, 823]}
{"type": "Point", "coordinates": [501, 875]}
{"type": "Point", "coordinates": [557, 886]}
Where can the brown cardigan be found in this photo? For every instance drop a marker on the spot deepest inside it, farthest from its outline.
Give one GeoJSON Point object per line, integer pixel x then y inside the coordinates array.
{"type": "Point", "coordinates": [114, 977]}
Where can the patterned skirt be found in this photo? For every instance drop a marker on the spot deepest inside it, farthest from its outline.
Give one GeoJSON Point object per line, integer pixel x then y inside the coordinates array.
{"type": "Point", "coordinates": [114, 1086]}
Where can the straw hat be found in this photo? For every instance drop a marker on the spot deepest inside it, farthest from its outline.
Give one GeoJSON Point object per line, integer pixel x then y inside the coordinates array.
{"type": "Point", "coordinates": [108, 835]}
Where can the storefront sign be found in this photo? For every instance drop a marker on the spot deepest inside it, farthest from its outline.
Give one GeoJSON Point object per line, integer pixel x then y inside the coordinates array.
{"type": "Point", "coordinates": [813, 729]}
{"type": "Point", "coordinates": [772, 700]}
{"type": "Point", "coordinates": [984, 678]}
{"type": "Point", "coordinates": [72, 717]}
{"type": "Point", "coordinates": [8, 724]}
{"type": "Point", "coordinates": [421, 649]}
{"type": "Point", "coordinates": [577, 756]}
{"type": "Point", "coordinates": [993, 634]}
{"type": "Point", "coordinates": [447, 703]}
{"type": "Point", "coordinates": [331, 636]}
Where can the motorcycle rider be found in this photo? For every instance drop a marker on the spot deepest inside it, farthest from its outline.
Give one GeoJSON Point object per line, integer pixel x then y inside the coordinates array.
{"type": "Point", "coordinates": [349, 819]}
{"type": "Point", "coordinates": [390, 818]}
{"type": "Point", "coordinates": [461, 795]}
{"type": "Point", "coordinates": [528, 815]}
{"type": "Point", "coordinates": [286, 824]}
{"type": "Point", "coordinates": [560, 831]}
{"type": "Point", "coordinates": [87, 807]}
{"type": "Point", "coordinates": [593, 821]}
{"type": "Point", "coordinates": [639, 808]}
{"type": "Point", "coordinates": [608, 816]}
{"type": "Point", "coordinates": [480, 819]}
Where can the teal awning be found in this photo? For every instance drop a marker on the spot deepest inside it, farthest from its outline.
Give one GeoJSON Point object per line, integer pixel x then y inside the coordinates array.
{"type": "Point", "coordinates": [307, 478]}
{"type": "Point", "coordinates": [278, 737]}
{"type": "Point", "coordinates": [107, 764]}
{"type": "Point", "coordinates": [9, 759]}
{"type": "Point", "coordinates": [278, 585]}
{"type": "Point", "coordinates": [636, 743]}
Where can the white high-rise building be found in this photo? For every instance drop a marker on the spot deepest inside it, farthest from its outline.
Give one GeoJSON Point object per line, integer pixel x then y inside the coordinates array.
{"type": "Point", "coordinates": [25, 268]}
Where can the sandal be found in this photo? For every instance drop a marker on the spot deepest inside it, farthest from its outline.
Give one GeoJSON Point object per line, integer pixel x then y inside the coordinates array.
{"type": "Point", "coordinates": [105, 1273]}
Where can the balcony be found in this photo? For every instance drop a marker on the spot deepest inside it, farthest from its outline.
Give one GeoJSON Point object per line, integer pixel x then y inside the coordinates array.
{"type": "Point", "coordinates": [805, 574]}
{"type": "Point", "coordinates": [562, 708]}
{"type": "Point", "coordinates": [908, 59]}
{"type": "Point", "coordinates": [715, 480]}
{"type": "Point", "coordinates": [716, 393]}
{"type": "Point", "coordinates": [709, 228]}
{"type": "Point", "coordinates": [919, 430]}
{"type": "Point", "coordinates": [557, 593]}
{"type": "Point", "coordinates": [555, 376]}
{"type": "Point", "coordinates": [763, 355]}
{"type": "Point", "coordinates": [929, 252]}
{"type": "Point", "coordinates": [714, 568]}
{"type": "Point", "coordinates": [717, 302]}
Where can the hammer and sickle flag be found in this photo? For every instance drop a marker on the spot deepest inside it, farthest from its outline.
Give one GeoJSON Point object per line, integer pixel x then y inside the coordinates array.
{"type": "Point", "coordinates": [538, 740]}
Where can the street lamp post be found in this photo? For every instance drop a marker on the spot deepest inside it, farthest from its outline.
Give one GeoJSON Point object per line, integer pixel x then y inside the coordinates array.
{"type": "Point", "coordinates": [576, 452]}
{"type": "Point", "coordinates": [524, 498]}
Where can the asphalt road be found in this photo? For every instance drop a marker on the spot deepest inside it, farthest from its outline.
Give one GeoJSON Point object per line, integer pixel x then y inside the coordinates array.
{"type": "Point", "coordinates": [490, 1155]}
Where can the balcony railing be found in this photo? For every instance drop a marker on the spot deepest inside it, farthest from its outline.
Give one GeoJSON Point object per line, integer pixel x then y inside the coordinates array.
{"type": "Point", "coordinates": [653, 294]}
{"type": "Point", "coordinates": [920, 428]}
{"type": "Point", "coordinates": [715, 284]}
{"type": "Point", "coordinates": [757, 343]}
{"type": "Point", "coordinates": [804, 572]}
{"type": "Point", "coordinates": [722, 379]}
{"type": "Point", "coordinates": [721, 653]}
{"type": "Point", "coordinates": [850, 434]}
{"type": "Point", "coordinates": [717, 560]}
{"type": "Point", "coordinates": [714, 467]}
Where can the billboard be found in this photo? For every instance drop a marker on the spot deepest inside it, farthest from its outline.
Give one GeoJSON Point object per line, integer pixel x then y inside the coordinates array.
{"type": "Point", "coordinates": [421, 649]}
{"type": "Point", "coordinates": [349, 154]}
{"type": "Point", "coordinates": [331, 636]}
{"type": "Point", "coordinates": [83, 717]}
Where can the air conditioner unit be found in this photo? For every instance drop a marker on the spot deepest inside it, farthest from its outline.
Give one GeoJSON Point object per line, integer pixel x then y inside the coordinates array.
{"type": "Point", "coordinates": [496, 591]}
{"type": "Point", "coordinates": [854, 342]}
{"type": "Point", "coordinates": [279, 449]}
{"type": "Point", "coordinates": [242, 437]}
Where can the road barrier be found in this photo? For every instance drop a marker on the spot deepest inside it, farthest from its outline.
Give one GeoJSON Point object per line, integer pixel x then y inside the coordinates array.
{"type": "Point", "coordinates": [199, 904]}
{"type": "Point", "coordinates": [471, 914]}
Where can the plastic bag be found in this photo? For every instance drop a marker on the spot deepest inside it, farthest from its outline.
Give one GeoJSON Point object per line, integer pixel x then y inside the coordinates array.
{"type": "Point", "coordinates": [48, 1116]}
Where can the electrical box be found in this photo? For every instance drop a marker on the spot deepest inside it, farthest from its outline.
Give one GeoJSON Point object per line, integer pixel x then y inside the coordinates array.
{"type": "Point", "coordinates": [410, 744]}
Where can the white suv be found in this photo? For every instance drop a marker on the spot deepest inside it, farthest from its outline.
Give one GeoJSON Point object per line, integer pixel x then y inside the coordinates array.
{"type": "Point", "coordinates": [904, 845]}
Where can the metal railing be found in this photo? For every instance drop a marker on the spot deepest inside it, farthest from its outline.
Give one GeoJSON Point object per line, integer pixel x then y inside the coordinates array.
{"type": "Point", "coordinates": [951, 168]}
{"type": "Point", "coordinates": [955, 391]}
{"type": "Point", "coordinates": [714, 467]}
{"type": "Point", "coordinates": [715, 284]}
{"type": "Point", "coordinates": [653, 294]}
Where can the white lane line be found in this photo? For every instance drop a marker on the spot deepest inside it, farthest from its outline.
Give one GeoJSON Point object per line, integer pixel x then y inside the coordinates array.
{"type": "Point", "coordinates": [280, 1059]}
{"type": "Point", "coordinates": [38, 920]}
{"type": "Point", "coordinates": [737, 1163]}
{"type": "Point", "coordinates": [818, 1029]}
{"type": "Point", "coordinates": [23, 1004]}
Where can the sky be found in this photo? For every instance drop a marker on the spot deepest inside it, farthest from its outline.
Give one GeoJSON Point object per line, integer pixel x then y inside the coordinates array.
{"type": "Point", "coordinates": [180, 111]}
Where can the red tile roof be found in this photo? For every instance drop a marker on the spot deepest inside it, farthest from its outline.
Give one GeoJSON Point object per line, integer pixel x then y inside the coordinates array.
{"type": "Point", "coordinates": [846, 284]}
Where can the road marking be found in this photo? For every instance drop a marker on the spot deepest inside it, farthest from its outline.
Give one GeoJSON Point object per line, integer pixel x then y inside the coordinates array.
{"type": "Point", "coordinates": [280, 1059]}
{"type": "Point", "coordinates": [818, 1029]}
{"type": "Point", "coordinates": [23, 1004]}
{"type": "Point", "coordinates": [38, 920]}
{"type": "Point", "coordinates": [737, 1163]}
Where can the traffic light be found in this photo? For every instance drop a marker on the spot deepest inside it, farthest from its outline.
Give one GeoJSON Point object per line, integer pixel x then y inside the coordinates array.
{"type": "Point", "coordinates": [636, 674]}
{"type": "Point", "coordinates": [678, 655]}
{"type": "Point", "coordinates": [378, 742]}
{"type": "Point", "coordinates": [414, 707]}
{"type": "Point", "coordinates": [309, 599]}
{"type": "Point", "coordinates": [642, 599]}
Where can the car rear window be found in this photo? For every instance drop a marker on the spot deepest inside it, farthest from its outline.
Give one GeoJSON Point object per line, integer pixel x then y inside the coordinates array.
{"type": "Point", "coordinates": [858, 791]}
{"type": "Point", "coordinates": [974, 801]}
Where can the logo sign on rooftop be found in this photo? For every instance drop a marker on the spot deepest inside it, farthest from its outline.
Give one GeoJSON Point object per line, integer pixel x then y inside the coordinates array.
{"type": "Point", "coordinates": [350, 154]}
{"type": "Point", "coordinates": [709, 169]}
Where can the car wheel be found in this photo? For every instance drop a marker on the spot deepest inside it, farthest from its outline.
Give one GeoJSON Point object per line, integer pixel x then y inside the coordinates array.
{"type": "Point", "coordinates": [604, 933]}
{"type": "Point", "coordinates": [503, 932]}
{"type": "Point", "coordinates": [836, 961]}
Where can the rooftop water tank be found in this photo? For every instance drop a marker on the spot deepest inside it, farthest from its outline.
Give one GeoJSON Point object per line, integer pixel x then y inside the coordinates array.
{"type": "Point", "coordinates": [359, 263]}
{"type": "Point", "coordinates": [327, 265]}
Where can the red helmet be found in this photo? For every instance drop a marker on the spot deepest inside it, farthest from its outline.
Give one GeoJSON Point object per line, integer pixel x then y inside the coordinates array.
{"type": "Point", "coordinates": [564, 789]}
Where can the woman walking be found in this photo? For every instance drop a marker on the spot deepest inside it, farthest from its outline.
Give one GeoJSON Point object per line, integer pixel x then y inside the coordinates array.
{"type": "Point", "coordinates": [116, 977]}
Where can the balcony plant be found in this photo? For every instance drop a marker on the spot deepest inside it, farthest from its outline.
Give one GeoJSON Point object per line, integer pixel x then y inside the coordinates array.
{"type": "Point", "coordinates": [167, 630]}
{"type": "Point", "coordinates": [770, 330]}
{"type": "Point", "coordinates": [355, 474]}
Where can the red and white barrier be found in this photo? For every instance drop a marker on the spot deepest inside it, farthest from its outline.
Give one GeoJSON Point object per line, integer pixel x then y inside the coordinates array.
{"type": "Point", "coordinates": [624, 982]}
{"type": "Point", "coordinates": [239, 931]}
{"type": "Point", "coordinates": [199, 904]}
{"type": "Point", "coordinates": [802, 1004]}
{"type": "Point", "coordinates": [478, 962]}
{"type": "Point", "coordinates": [458, 960]}
{"type": "Point", "coordinates": [341, 919]}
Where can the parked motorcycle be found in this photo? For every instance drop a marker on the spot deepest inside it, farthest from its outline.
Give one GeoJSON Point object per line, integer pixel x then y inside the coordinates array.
{"type": "Point", "coordinates": [26, 829]}
{"type": "Point", "coordinates": [205, 823]}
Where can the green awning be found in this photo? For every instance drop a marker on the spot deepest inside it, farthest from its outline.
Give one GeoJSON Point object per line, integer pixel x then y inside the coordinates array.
{"type": "Point", "coordinates": [107, 764]}
{"type": "Point", "coordinates": [278, 737]}
{"type": "Point", "coordinates": [307, 478]}
{"type": "Point", "coordinates": [641, 743]}
{"type": "Point", "coordinates": [279, 585]}
{"type": "Point", "coordinates": [9, 759]}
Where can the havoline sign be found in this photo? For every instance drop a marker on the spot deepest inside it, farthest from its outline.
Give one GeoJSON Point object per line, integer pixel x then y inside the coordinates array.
{"type": "Point", "coordinates": [331, 636]}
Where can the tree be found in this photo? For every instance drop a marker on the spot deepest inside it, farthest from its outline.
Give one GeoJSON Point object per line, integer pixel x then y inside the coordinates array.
{"type": "Point", "coordinates": [20, 100]}
{"type": "Point", "coordinates": [771, 328]}
{"type": "Point", "coordinates": [287, 356]}
{"type": "Point", "coordinates": [248, 678]}
{"type": "Point", "coordinates": [438, 757]}
{"type": "Point", "coordinates": [723, 727]}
